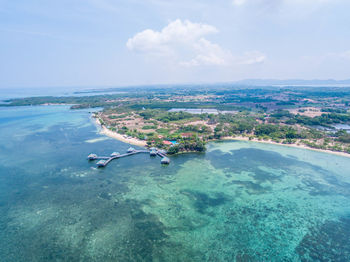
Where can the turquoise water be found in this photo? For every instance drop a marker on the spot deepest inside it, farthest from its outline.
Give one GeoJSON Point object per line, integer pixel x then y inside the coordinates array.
{"type": "Point", "coordinates": [241, 201]}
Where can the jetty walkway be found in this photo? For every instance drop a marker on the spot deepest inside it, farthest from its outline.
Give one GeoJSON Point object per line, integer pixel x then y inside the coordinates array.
{"type": "Point", "coordinates": [105, 160]}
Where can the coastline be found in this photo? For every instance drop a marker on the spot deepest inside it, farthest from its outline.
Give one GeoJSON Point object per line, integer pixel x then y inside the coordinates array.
{"type": "Point", "coordinates": [137, 142]}
{"type": "Point", "coordinates": [105, 131]}
{"type": "Point", "coordinates": [241, 138]}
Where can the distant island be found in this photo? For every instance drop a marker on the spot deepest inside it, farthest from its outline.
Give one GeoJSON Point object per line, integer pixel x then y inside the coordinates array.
{"type": "Point", "coordinates": [185, 118]}
{"type": "Point", "coordinates": [294, 82]}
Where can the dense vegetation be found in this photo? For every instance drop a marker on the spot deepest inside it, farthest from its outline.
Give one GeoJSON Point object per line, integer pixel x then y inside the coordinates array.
{"type": "Point", "coordinates": [280, 114]}
{"type": "Point", "coordinates": [165, 116]}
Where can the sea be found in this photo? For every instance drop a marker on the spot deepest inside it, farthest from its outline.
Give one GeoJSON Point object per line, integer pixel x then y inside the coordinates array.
{"type": "Point", "coordinates": [239, 201]}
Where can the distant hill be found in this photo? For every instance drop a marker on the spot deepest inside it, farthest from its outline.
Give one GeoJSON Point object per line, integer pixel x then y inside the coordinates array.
{"type": "Point", "coordinates": [293, 82]}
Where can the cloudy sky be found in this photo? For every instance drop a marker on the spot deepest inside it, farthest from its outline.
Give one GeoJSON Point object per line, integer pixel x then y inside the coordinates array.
{"type": "Point", "coordinates": [131, 42]}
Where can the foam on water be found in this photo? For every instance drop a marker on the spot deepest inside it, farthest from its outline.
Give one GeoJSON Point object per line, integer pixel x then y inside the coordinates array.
{"type": "Point", "coordinates": [99, 139]}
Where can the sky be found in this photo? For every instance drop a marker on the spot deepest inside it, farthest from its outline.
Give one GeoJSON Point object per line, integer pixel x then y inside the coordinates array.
{"type": "Point", "coordinates": [60, 43]}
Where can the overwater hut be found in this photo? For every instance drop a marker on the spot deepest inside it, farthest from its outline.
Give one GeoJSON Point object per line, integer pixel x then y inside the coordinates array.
{"type": "Point", "coordinates": [101, 163]}
{"type": "Point", "coordinates": [92, 157]}
{"type": "Point", "coordinates": [114, 154]}
{"type": "Point", "coordinates": [165, 160]}
{"type": "Point", "coordinates": [130, 150]}
{"type": "Point", "coordinates": [153, 152]}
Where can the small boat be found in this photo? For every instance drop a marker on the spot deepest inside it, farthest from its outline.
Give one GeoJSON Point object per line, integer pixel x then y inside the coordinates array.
{"type": "Point", "coordinates": [92, 157]}
{"type": "Point", "coordinates": [101, 163]}
{"type": "Point", "coordinates": [114, 154]}
{"type": "Point", "coordinates": [165, 161]}
{"type": "Point", "coordinates": [130, 150]}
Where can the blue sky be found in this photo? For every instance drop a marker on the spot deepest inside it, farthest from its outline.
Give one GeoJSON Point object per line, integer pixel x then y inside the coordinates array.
{"type": "Point", "coordinates": [115, 43]}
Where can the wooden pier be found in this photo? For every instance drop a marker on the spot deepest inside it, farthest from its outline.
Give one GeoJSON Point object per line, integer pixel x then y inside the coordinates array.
{"type": "Point", "coordinates": [104, 160]}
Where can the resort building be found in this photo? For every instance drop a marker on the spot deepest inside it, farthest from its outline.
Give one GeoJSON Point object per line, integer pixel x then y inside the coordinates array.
{"type": "Point", "coordinates": [186, 135]}
{"type": "Point", "coordinates": [168, 143]}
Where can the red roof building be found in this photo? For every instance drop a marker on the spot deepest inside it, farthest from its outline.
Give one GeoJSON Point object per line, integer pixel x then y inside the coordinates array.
{"type": "Point", "coordinates": [168, 143]}
{"type": "Point", "coordinates": [186, 134]}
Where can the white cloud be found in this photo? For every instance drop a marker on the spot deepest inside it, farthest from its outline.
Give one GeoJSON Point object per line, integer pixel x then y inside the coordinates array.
{"type": "Point", "coordinates": [185, 43]}
{"type": "Point", "coordinates": [342, 55]}
{"type": "Point", "coordinates": [345, 55]}
{"type": "Point", "coordinates": [175, 33]}
{"type": "Point", "coordinates": [208, 53]}
{"type": "Point", "coordinates": [269, 2]}
{"type": "Point", "coordinates": [239, 2]}
{"type": "Point", "coordinates": [282, 6]}
{"type": "Point", "coordinates": [328, 58]}
{"type": "Point", "coordinates": [252, 57]}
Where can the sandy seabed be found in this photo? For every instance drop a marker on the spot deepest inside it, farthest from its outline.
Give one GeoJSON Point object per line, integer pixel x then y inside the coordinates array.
{"type": "Point", "coordinates": [242, 138]}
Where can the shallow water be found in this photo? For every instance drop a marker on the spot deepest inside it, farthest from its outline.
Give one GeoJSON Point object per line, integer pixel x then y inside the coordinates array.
{"type": "Point", "coordinates": [241, 201]}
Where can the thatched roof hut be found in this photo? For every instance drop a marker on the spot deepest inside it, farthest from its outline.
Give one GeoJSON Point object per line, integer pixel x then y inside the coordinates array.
{"type": "Point", "coordinates": [101, 163]}
{"type": "Point", "coordinates": [153, 152]}
{"type": "Point", "coordinates": [130, 150]}
{"type": "Point", "coordinates": [114, 154]}
{"type": "Point", "coordinates": [165, 160]}
{"type": "Point", "coordinates": [92, 156]}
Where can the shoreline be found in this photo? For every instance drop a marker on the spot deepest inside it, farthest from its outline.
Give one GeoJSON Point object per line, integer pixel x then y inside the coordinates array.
{"type": "Point", "coordinates": [132, 141]}
{"type": "Point", "coordinates": [241, 138]}
{"type": "Point", "coordinates": [137, 142]}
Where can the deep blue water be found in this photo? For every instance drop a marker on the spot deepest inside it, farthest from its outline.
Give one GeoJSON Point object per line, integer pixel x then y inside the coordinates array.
{"type": "Point", "coordinates": [240, 201]}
